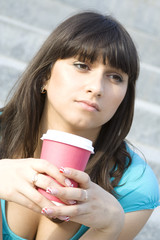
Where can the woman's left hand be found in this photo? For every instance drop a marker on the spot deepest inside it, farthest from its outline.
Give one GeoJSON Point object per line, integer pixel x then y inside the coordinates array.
{"type": "Point", "coordinates": [89, 204]}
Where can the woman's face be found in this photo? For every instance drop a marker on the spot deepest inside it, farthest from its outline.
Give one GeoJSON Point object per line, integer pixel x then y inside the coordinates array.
{"type": "Point", "coordinates": [82, 96]}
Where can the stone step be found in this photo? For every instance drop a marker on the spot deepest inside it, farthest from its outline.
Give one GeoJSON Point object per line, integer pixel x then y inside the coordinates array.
{"type": "Point", "coordinates": [50, 13]}
{"type": "Point", "coordinates": [148, 87]}
{"type": "Point", "coordinates": [41, 14]}
{"type": "Point", "coordinates": [141, 12]}
{"type": "Point", "coordinates": [147, 46]}
{"type": "Point", "coordinates": [138, 14]}
{"type": "Point", "coordinates": [146, 127]}
{"type": "Point", "coordinates": [19, 43]}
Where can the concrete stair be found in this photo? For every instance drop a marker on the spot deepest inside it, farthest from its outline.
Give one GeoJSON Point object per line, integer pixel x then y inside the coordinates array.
{"type": "Point", "coordinates": [24, 25]}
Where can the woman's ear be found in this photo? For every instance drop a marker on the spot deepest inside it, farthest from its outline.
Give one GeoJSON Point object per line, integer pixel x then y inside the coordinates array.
{"type": "Point", "coordinates": [46, 79]}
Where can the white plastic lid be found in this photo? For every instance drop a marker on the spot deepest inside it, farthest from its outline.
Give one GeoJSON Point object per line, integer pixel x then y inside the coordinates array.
{"type": "Point", "coordinates": [69, 138]}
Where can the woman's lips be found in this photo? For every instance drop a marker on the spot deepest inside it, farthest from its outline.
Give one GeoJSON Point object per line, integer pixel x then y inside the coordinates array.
{"type": "Point", "coordinates": [89, 105]}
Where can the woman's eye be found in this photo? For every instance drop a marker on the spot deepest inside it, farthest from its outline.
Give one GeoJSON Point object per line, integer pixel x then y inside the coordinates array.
{"type": "Point", "coordinates": [115, 78]}
{"type": "Point", "coordinates": [81, 66]}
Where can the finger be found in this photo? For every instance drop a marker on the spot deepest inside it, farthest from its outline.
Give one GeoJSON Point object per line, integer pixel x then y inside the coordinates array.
{"type": "Point", "coordinates": [60, 211]}
{"type": "Point", "coordinates": [33, 195]}
{"type": "Point", "coordinates": [29, 204]}
{"type": "Point", "coordinates": [43, 181]}
{"type": "Point", "coordinates": [69, 195]}
{"type": "Point", "coordinates": [43, 166]}
{"type": "Point", "coordinates": [80, 177]}
{"type": "Point", "coordinates": [25, 202]}
{"type": "Point", "coordinates": [54, 192]}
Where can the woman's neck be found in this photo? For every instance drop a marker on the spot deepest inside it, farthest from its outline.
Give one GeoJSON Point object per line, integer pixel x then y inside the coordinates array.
{"type": "Point", "coordinates": [46, 123]}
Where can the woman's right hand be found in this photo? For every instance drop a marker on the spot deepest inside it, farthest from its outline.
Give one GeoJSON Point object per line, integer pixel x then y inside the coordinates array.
{"type": "Point", "coordinates": [16, 177]}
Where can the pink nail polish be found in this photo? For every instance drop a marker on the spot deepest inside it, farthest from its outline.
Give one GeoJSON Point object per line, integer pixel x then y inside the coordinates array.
{"type": "Point", "coordinates": [44, 210]}
{"type": "Point", "coordinates": [52, 191]}
{"type": "Point", "coordinates": [64, 170]}
{"type": "Point", "coordinates": [47, 211]}
{"type": "Point", "coordinates": [68, 182]}
{"type": "Point", "coordinates": [49, 190]}
{"type": "Point", "coordinates": [61, 170]}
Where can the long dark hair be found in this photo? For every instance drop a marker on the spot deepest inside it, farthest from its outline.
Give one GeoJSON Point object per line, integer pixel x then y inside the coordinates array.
{"type": "Point", "coordinates": [87, 35]}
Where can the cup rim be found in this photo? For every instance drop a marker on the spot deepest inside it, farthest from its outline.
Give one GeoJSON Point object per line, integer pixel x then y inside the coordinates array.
{"type": "Point", "coordinates": [68, 138]}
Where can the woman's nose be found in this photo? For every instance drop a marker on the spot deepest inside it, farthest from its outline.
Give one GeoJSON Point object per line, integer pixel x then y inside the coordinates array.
{"type": "Point", "coordinates": [95, 86]}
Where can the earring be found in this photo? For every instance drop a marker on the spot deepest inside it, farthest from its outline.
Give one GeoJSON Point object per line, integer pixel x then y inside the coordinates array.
{"type": "Point", "coordinates": [43, 90]}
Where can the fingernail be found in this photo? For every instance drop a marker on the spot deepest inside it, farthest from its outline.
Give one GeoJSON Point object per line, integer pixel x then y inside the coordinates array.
{"type": "Point", "coordinates": [61, 170]}
{"type": "Point", "coordinates": [68, 182]}
{"type": "Point", "coordinates": [53, 191]}
{"type": "Point", "coordinates": [72, 202]}
{"type": "Point", "coordinates": [47, 211]}
{"type": "Point", "coordinates": [64, 170]}
{"type": "Point", "coordinates": [64, 218]}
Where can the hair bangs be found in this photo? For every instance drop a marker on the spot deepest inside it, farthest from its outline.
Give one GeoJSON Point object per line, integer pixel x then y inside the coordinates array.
{"type": "Point", "coordinates": [113, 45]}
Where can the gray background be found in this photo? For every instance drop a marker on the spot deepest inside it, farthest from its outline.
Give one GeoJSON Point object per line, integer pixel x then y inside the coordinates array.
{"type": "Point", "coordinates": [24, 25]}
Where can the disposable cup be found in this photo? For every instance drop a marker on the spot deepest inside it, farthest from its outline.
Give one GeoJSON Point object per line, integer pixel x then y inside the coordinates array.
{"type": "Point", "coordinates": [65, 150]}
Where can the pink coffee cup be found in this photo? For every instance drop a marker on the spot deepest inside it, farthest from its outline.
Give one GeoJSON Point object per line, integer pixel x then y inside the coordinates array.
{"type": "Point", "coordinates": [65, 150]}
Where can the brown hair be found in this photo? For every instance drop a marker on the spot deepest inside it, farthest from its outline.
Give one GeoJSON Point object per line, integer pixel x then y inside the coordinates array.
{"type": "Point", "coordinates": [87, 35]}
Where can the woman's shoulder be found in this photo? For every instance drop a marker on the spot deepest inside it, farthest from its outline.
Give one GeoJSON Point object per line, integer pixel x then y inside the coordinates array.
{"type": "Point", "coordinates": [138, 188]}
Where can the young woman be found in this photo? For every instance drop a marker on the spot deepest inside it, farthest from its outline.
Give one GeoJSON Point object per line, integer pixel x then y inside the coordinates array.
{"type": "Point", "coordinates": [82, 81]}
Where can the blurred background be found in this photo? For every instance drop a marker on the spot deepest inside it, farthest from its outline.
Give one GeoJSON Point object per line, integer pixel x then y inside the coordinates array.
{"type": "Point", "coordinates": [24, 25]}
